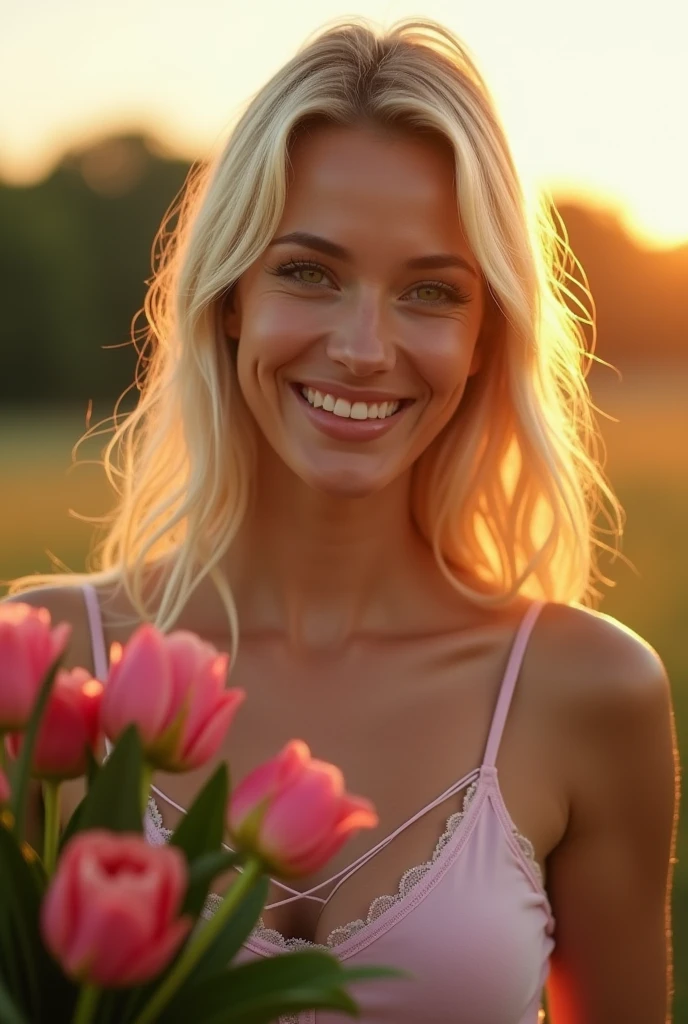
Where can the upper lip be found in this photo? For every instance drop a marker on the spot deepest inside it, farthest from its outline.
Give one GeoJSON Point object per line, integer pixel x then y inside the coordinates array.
{"type": "Point", "coordinates": [351, 394]}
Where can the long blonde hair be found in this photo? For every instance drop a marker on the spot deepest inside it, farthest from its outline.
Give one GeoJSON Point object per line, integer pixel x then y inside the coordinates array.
{"type": "Point", "coordinates": [512, 487]}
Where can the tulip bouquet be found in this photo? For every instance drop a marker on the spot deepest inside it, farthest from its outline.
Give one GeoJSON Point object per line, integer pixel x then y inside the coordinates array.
{"type": "Point", "coordinates": [100, 926]}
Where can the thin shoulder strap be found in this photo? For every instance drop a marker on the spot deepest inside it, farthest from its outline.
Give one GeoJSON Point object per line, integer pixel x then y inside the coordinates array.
{"type": "Point", "coordinates": [506, 690]}
{"type": "Point", "coordinates": [95, 625]}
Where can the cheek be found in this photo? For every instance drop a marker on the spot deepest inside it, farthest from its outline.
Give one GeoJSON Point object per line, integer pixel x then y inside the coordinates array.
{"type": "Point", "coordinates": [277, 332]}
{"type": "Point", "coordinates": [443, 358]}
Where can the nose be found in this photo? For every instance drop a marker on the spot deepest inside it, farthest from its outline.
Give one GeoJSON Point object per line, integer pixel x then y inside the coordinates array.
{"type": "Point", "coordinates": [362, 341]}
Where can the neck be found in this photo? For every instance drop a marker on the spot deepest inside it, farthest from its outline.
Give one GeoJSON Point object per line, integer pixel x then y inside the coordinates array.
{"type": "Point", "coordinates": [319, 569]}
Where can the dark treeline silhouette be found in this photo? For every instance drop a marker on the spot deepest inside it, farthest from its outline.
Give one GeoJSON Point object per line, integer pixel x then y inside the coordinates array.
{"type": "Point", "coordinates": [75, 255]}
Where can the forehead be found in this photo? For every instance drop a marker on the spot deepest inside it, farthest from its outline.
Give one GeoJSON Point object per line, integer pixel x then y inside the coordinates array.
{"type": "Point", "coordinates": [368, 183]}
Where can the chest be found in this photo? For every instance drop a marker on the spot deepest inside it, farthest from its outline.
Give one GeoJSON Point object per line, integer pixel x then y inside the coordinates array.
{"type": "Point", "coordinates": [403, 725]}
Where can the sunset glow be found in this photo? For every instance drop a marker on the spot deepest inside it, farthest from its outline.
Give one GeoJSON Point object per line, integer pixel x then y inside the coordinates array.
{"type": "Point", "coordinates": [593, 96]}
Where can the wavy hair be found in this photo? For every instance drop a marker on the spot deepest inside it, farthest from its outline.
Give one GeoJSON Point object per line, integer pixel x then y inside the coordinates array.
{"type": "Point", "coordinates": [513, 487]}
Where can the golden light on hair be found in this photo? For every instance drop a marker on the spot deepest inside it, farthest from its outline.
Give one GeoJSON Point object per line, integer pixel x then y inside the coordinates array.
{"type": "Point", "coordinates": [528, 524]}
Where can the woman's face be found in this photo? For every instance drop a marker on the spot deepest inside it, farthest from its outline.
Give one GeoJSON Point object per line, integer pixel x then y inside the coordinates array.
{"type": "Point", "coordinates": [358, 326]}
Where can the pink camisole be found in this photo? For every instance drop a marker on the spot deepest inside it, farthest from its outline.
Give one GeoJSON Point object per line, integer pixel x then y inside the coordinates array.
{"type": "Point", "coordinates": [473, 925]}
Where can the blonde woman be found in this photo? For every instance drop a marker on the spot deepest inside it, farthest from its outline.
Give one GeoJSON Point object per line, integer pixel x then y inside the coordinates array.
{"type": "Point", "coordinates": [363, 460]}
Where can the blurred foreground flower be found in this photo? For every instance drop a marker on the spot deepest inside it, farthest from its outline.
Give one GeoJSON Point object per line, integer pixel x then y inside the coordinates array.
{"type": "Point", "coordinates": [110, 914]}
{"type": "Point", "coordinates": [28, 647]}
{"type": "Point", "coordinates": [69, 728]}
{"type": "Point", "coordinates": [292, 812]}
{"type": "Point", "coordinates": [173, 688]}
{"type": "Point", "coordinates": [5, 792]}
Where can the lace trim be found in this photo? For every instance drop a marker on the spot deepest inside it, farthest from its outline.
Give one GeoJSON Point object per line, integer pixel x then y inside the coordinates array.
{"type": "Point", "coordinates": [157, 834]}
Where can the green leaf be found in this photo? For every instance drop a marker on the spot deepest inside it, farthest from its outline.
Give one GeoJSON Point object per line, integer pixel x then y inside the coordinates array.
{"type": "Point", "coordinates": [199, 833]}
{"type": "Point", "coordinates": [36, 975]}
{"type": "Point", "coordinates": [92, 767]}
{"type": "Point", "coordinates": [22, 772]}
{"type": "Point", "coordinates": [72, 826]}
{"type": "Point", "coordinates": [202, 828]}
{"type": "Point", "coordinates": [261, 990]}
{"type": "Point", "coordinates": [113, 800]}
{"type": "Point", "coordinates": [19, 909]}
{"type": "Point", "coordinates": [9, 1014]}
{"type": "Point", "coordinates": [201, 874]}
{"type": "Point", "coordinates": [232, 936]}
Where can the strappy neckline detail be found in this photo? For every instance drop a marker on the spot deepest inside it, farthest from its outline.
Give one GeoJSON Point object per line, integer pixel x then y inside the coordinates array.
{"type": "Point", "coordinates": [380, 904]}
{"type": "Point", "coordinates": [412, 876]}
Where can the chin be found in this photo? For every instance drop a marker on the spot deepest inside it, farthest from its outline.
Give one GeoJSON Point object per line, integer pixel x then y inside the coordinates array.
{"type": "Point", "coordinates": [345, 482]}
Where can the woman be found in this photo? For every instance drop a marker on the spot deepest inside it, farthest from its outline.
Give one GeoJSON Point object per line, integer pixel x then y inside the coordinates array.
{"type": "Point", "coordinates": [361, 460]}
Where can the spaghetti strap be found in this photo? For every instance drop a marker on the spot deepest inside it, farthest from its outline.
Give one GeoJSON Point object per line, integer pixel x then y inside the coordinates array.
{"type": "Point", "coordinates": [95, 625]}
{"type": "Point", "coordinates": [508, 685]}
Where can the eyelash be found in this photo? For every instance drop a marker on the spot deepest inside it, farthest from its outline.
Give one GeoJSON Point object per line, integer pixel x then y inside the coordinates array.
{"type": "Point", "coordinates": [452, 294]}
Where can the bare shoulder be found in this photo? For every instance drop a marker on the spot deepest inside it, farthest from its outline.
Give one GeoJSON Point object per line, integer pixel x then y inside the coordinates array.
{"type": "Point", "coordinates": [609, 878]}
{"type": "Point", "coordinates": [596, 667]}
{"type": "Point", "coordinates": [65, 604]}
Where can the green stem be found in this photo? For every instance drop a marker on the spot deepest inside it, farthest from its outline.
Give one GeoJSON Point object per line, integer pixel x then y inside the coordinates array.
{"type": "Point", "coordinates": [51, 837]}
{"type": "Point", "coordinates": [201, 941]}
{"type": "Point", "coordinates": [88, 997]}
{"type": "Point", "coordinates": [3, 753]}
{"type": "Point", "coordinates": [146, 779]}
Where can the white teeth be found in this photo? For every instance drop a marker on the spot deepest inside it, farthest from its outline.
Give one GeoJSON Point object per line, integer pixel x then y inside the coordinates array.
{"type": "Point", "coordinates": [347, 410]}
{"type": "Point", "coordinates": [341, 408]}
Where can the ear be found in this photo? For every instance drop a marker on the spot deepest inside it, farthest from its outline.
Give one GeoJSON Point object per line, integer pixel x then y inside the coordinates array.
{"type": "Point", "coordinates": [231, 317]}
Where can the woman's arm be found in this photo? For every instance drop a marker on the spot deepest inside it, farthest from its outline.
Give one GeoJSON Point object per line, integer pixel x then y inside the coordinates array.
{"type": "Point", "coordinates": [609, 879]}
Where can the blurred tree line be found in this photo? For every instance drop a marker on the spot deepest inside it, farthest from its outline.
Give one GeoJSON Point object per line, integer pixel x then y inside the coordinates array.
{"type": "Point", "coordinates": [75, 253]}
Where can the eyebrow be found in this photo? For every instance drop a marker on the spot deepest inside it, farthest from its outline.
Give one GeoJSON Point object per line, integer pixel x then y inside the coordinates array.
{"type": "Point", "coordinates": [436, 261]}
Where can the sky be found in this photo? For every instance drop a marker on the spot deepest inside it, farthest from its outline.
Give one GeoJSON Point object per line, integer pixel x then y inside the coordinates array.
{"type": "Point", "coordinates": [593, 94]}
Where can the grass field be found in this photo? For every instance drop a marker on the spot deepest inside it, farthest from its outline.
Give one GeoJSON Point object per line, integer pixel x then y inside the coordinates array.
{"type": "Point", "coordinates": [647, 463]}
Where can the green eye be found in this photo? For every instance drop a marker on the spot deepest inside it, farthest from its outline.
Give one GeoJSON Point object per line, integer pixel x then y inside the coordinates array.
{"type": "Point", "coordinates": [310, 275]}
{"type": "Point", "coordinates": [435, 293]}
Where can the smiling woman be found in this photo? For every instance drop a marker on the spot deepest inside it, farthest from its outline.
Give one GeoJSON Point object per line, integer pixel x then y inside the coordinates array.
{"type": "Point", "coordinates": [364, 461]}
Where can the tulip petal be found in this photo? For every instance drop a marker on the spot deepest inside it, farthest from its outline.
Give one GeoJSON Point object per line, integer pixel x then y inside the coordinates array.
{"type": "Point", "coordinates": [185, 656]}
{"type": "Point", "coordinates": [60, 908]}
{"type": "Point", "coordinates": [139, 687]}
{"type": "Point", "coordinates": [208, 739]}
{"type": "Point", "coordinates": [305, 813]}
{"type": "Point", "coordinates": [355, 813]}
{"type": "Point", "coordinates": [151, 960]}
{"type": "Point", "coordinates": [18, 681]}
{"type": "Point", "coordinates": [265, 781]}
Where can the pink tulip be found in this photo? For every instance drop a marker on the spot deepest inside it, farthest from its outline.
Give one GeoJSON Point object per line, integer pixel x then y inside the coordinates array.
{"type": "Point", "coordinates": [5, 792]}
{"type": "Point", "coordinates": [70, 726]}
{"type": "Point", "coordinates": [109, 916]}
{"type": "Point", "coordinates": [28, 647]}
{"type": "Point", "coordinates": [173, 689]}
{"type": "Point", "coordinates": [292, 812]}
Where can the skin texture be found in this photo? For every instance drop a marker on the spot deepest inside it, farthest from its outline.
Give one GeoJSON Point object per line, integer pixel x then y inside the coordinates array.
{"type": "Point", "coordinates": [352, 640]}
{"type": "Point", "coordinates": [367, 323]}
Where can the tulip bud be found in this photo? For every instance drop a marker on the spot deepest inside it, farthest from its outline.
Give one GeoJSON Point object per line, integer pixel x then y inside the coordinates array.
{"type": "Point", "coordinates": [173, 688]}
{"type": "Point", "coordinates": [293, 814]}
{"type": "Point", "coordinates": [28, 647]}
{"type": "Point", "coordinates": [109, 916]}
{"type": "Point", "coordinates": [70, 726]}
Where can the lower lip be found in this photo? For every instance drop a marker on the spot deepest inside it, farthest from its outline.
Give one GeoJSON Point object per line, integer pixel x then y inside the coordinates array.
{"type": "Point", "coordinates": [346, 429]}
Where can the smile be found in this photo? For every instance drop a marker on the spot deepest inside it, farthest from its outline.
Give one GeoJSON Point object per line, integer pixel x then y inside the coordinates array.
{"type": "Point", "coordinates": [349, 410]}
{"type": "Point", "coordinates": [343, 420]}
